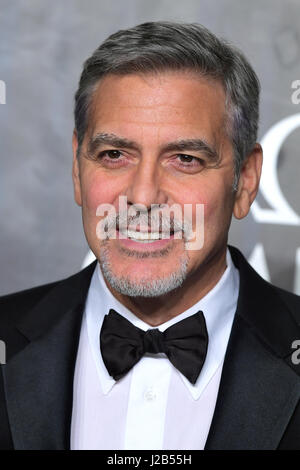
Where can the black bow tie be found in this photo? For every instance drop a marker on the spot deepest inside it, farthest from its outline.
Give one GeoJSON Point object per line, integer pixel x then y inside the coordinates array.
{"type": "Point", "coordinates": [122, 344]}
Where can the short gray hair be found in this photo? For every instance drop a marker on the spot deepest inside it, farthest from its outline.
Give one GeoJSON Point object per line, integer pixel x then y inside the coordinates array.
{"type": "Point", "coordinates": [155, 47]}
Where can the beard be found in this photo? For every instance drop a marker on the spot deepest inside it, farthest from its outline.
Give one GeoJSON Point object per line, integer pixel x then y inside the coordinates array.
{"type": "Point", "coordinates": [146, 286]}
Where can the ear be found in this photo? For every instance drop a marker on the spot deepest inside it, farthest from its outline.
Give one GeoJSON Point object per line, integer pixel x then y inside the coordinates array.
{"type": "Point", "coordinates": [248, 182]}
{"type": "Point", "coordinates": [76, 171]}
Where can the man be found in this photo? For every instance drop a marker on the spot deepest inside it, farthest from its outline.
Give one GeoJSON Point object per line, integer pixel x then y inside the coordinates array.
{"type": "Point", "coordinates": [169, 340]}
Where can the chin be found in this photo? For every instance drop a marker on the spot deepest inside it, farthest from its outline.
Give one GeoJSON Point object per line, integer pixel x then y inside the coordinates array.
{"type": "Point", "coordinates": [139, 280]}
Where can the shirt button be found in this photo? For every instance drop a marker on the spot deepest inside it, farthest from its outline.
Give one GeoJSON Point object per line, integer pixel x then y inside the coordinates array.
{"type": "Point", "coordinates": [150, 395]}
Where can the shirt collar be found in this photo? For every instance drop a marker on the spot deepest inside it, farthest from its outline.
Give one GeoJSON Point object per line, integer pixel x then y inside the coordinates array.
{"type": "Point", "coordinates": [218, 306]}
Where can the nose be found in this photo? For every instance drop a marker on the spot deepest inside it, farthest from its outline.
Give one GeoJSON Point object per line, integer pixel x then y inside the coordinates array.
{"type": "Point", "coordinates": [145, 186]}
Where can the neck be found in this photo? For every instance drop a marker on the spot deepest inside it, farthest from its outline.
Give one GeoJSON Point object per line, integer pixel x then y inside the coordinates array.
{"type": "Point", "coordinates": [158, 310]}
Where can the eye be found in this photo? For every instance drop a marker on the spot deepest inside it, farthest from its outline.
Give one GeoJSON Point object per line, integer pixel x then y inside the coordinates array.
{"type": "Point", "coordinates": [189, 160]}
{"type": "Point", "coordinates": [112, 158]}
{"type": "Point", "coordinates": [112, 154]}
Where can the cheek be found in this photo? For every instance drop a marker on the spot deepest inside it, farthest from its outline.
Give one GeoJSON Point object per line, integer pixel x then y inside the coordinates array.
{"type": "Point", "coordinates": [211, 207]}
{"type": "Point", "coordinates": [200, 196]}
{"type": "Point", "coordinates": [218, 211]}
{"type": "Point", "coordinates": [214, 207]}
{"type": "Point", "coordinates": [97, 191]}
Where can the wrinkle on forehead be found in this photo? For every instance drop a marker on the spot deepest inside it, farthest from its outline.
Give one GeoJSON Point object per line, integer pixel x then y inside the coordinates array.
{"type": "Point", "coordinates": [146, 82]}
{"type": "Point", "coordinates": [131, 100]}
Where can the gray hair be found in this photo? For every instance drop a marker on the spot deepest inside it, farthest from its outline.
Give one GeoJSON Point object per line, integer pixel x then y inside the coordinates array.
{"type": "Point", "coordinates": [155, 47]}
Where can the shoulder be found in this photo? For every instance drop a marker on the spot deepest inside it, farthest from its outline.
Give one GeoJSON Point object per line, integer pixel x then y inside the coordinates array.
{"type": "Point", "coordinates": [292, 301]}
{"type": "Point", "coordinates": [27, 314]}
{"type": "Point", "coordinates": [256, 288]}
{"type": "Point", "coordinates": [14, 306]}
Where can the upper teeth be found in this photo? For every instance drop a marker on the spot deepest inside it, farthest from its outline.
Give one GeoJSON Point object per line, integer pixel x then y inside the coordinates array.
{"type": "Point", "coordinates": [144, 235]}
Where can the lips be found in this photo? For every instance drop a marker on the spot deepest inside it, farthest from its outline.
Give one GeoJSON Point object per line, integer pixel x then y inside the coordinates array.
{"type": "Point", "coordinates": [145, 236]}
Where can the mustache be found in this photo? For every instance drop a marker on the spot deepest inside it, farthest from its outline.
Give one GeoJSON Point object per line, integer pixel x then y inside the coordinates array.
{"type": "Point", "coordinates": [154, 222]}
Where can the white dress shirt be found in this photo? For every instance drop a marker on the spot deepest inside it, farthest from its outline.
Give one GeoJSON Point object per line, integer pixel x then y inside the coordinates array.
{"type": "Point", "coordinates": [153, 406]}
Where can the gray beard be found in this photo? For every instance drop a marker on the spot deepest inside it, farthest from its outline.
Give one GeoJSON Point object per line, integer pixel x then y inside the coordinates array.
{"type": "Point", "coordinates": [144, 288]}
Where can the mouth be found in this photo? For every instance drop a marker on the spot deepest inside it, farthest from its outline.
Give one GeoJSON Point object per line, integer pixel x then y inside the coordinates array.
{"type": "Point", "coordinates": [145, 239]}
{"type": "Point", "coordinates": [141, 236]}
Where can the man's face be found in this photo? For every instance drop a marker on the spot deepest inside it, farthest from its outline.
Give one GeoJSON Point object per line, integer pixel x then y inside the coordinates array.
{"type": "Point", "coordinates": [154, 113]}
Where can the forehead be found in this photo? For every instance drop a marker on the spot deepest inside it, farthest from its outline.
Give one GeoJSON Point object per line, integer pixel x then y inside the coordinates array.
{"type": "Point", "coordinates": [171, 101]}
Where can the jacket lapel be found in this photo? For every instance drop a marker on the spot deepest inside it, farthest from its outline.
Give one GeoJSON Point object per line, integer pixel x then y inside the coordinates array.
{"type": "Point", "coordinates": [258, 391]}
{"type": "Point", "coordinates": [42, 372]}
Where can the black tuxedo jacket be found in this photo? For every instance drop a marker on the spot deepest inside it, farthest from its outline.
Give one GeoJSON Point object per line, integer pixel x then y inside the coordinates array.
{"type": "Point", "coordinates": [258, 400]}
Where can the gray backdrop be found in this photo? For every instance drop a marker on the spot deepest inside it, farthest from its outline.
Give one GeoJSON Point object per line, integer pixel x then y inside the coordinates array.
{"type": "Point", "coordinates": [42, 47]}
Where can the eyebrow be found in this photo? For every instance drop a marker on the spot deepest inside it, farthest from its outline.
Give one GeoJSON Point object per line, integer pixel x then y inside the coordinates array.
{"type": "Point", "coordinates": [176, 146]}
{"type": "Point", "coordinates": [110, 139]}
